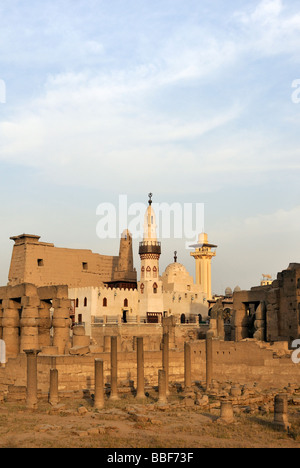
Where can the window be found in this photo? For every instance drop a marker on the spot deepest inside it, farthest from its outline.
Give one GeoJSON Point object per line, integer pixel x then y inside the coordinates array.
{"type": "Point", "coordinates": [40, 262]}
{"type": "Point", "coordinates": [77, 303]}
{"type": "Point", "coordinates": [85, 302]}
{"type": "Point", "coordinates": [155, 287]}
{"type": "Point", "coordinates": [142, 288]}
{"type": "Point", "coordinates": [154, 272]}
{"type": "Point", "coordinates": [148, 272]}
{"type": "Point", "coordinates": [125, 302]}
{"type": "Point", "coordinates": [84, 266]}
{"type": "Point", "coordinates": [104, 302]}
{"type": "Point", "coordinates": [79, 318]}
{"type": "Point", "coordinates": [143, 272]}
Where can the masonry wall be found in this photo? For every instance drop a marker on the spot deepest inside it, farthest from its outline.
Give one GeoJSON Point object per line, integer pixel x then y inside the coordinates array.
{"type": "Point", "coordinates": [44, 264]}
{"type": "Point", "coordinates": [270, 313]}
{"type": "Point", "coordinates": [244, 362]}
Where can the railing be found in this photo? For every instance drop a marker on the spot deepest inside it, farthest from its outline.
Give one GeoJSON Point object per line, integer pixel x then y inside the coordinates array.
{"type": "Point", "coordinates": [143, 320]}
{"type": "Point", "coordinates": [150, 247]}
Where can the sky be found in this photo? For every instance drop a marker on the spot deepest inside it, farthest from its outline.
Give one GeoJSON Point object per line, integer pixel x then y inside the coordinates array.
{"type": "Point", "coordinates": [196, 101]}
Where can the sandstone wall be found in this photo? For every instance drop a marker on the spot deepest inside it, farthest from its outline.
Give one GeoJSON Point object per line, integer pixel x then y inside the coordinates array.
{"type": "Point", "coordinates": [44, 264]}
{"type": "Point", "coordinates": [244, 362]}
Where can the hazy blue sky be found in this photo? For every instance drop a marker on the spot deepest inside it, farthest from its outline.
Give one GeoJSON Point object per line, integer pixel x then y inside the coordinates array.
{"type": "Point", "coordinates": [191, 100]}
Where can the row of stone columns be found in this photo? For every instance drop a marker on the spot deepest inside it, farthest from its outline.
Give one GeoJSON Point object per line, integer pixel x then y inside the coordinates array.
{"type": "Point", "coordinates": [25, 324]}
{"type": "Point", "coordinates": [280, 402]}
{"type": "Point", "coordinates": [163, 375]}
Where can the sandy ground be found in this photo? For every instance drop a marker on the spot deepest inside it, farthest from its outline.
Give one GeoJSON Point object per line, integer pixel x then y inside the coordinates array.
{"type": "Point", "coordinates": [131, 424]}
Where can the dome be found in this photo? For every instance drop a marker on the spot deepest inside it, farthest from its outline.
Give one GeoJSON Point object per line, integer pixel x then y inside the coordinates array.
{"type": "Point", "coordinates": [237, 289]}
{"type": "Point", "coordinates": [176, 268]}
{"type": "Point", "coordinates": [176, 273]}
{"type": "Point", "coordinates": [228, 291]}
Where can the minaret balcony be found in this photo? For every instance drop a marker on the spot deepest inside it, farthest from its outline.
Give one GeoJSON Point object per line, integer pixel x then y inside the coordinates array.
{"type": "Point", "coordinates": [150, 247]}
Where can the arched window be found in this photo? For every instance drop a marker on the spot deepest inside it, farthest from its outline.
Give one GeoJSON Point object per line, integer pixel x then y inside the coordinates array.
{"type": "Point", "coordinates": [125, 302]}
{"type": "Point", "coordinates": [155, 287]}
{"type": "Point", "coordinates": [85, 302]}
{"type": "Point", "coordinates": [142, 288]}
{"type": "Point", "coordinates": [148, 275]}
{"type": "Point", "coordinates": [154, 272]}
{"type": "Point", "coordinates": [77, 302]}
{"type": "Point", "coordinates": [143, 272]}
{"type": "Point", "coordinates": [104, 302]}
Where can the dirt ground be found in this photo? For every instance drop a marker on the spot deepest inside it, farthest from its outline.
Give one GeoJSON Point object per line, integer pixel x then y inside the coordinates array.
{"type": "Point", "coordinates": [131, 424]}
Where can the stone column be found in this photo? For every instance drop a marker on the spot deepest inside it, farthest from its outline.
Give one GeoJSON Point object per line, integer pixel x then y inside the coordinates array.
{"type": "Point", "coordinates": [53, 396]}
{"type": "Point", "coordinates": [281, 411]}
{"type": "Point", "coordinates": [31, 393]}
{"type": "Point", "coordinates": [165, 358]}
{"type": "Point", "coordinates": [187, 365]}
{"type": "Point", "coordinates": [11, 326]}
{"type": "Point", "coordinates": [220, 325]}
{"type": "Point", "coordinates": [162, 386]}
{"type": "Point", "coordinates": [140, 368]}
{"type": "Point", "coordinates": [114, 368]}
{"type": "Point", "coordinates": [107, 344]}
{"type": "Point", "coordinates": [61, 323]}
{"type": "Point", "coordinates": [209, 359]}
{"type": "Point", "coordinates": [1, 316]}
{"type": "Point", "coordinates": [29, 328]}
{"type": "Point", "coordinates": [99, 384]}
{"type": "Point", "coordinates": [226, 412]}
{"type": "Point", "coordinates": [44, 324]}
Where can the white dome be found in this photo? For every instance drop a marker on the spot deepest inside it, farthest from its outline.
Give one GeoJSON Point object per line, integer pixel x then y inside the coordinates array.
{"type": "Point", "coordinates": [176, 268]}
{"type": "Point", "coordinates": [176, 272]}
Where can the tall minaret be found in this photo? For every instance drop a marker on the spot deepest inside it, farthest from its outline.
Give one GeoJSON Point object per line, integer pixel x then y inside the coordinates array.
{"type": "Point", "coordinates": [150, 287]}
{"type": "Point", "coordinates": [203, 255]}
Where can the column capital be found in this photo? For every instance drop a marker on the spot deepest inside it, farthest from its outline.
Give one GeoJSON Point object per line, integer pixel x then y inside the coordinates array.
{"type": "Point", "coordinates": [32, 351]}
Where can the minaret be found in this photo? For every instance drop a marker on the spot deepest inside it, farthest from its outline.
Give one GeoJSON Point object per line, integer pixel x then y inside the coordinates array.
{"type": "Point", "coordinates": [125, 273]}
{"type": "Point", "coordinates": [150, 248]}
{"type": "Point", "coordinates": [150, 251]}
{"type": "Point", "coordinates": [203, 255]}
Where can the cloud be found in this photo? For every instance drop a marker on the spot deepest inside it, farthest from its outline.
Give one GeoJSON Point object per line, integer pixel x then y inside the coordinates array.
{"type": "Point", "coordinates": [271, 28]}
{"type": "Point", "coordinates": [158, 115]}
{"type": "Point", "coordinates": [264, 244]}
{"type": "Point", "coordinates": [86, 124]}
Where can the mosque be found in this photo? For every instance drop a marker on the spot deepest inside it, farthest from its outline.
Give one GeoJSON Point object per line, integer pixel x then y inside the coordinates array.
{"type": "Point", "coordinates": [174, 292]}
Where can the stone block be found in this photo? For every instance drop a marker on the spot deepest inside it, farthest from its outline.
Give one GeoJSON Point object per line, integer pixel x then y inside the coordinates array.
{"type": "Point", "coordinates": [81, 340]}
{"type": "Point", "coordinates": [10, 304]}
{"type": "Point", "coordinates": [30, 301]}
{"type": "Point", "coordinates": [79, 350]}
{"type": "Point", "coordinates": [22, 290]}
{"type": "Point", "coordinates": [52, 292]}
{"type": "Point", "coordinates": [61, 303]}
{"type": "Point", "coordinates": [79, 331]}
